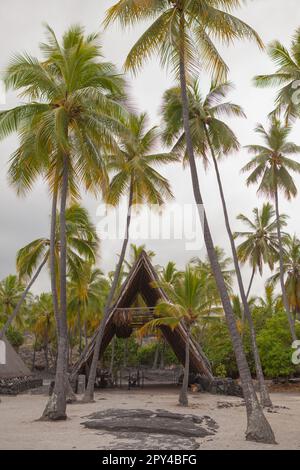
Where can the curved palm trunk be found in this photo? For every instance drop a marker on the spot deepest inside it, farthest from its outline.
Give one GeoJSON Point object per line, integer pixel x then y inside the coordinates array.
{"type": "Point", "coordinates": [250, 283]}
{"type": "Point", "coordinates": [22, 298]}
{"type": "Point", "coordinates": [258, 428]}
{"type": "Point", "coordinates": [56, 406]}
{"type": "Point", "coordinates": [89, 392]}
{"type": "Point", "coordinates": [281, 269]}
{"type": "Point", "coordinates": [264, 394]}
{"type": "Point", "coordinates": [183, 397]}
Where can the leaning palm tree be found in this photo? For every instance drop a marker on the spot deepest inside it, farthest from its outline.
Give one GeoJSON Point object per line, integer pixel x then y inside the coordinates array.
{"type": "Point", "coordinates": [179, 31]}
{"type": "Point", "coordinates": [260, 242]}
{"type": "Point", "coordinates": [185, 307]}
{"type": "Point", "coordinates": [69, 120]}
{"type": "Point", "coordinates": [271, 167]}
{"type": "Point", "coordinates": [213, 138]}
{"type": "Point", "coordinates": [82, 244]}
{"type": "Point", "coordinates": [134, 173]}
{"type": "Point", "coordinates": [286, 76]}
{"type": "Point", "coordinates": [291, 268]}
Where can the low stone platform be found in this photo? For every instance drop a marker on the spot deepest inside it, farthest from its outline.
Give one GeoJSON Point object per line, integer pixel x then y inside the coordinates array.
{"type": "Point", "coordinates": [15, 385]}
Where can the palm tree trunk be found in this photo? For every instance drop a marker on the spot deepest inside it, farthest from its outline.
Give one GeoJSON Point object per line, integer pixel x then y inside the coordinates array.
{"type": "Point", "coordinates": [79, 328]}
{"type": "Point", "coordinates": [281, 268]}
{"type": "Point", "coordinates": [162, 355]}
{"type": "Point", "coordinates": [155, 360]}
{"type": "Point", "coordinates": [53, 261]}
{"type": "Point", "coordinates": [183, 397]}
{"type": "Point", "coordinates": [89, 392]}
{"type": "Point", "coordinates": [112, 358]}
{"type": "Point", "coordinates": [250, 283]}
{"type": "Point", "coordinates": [22, 298]}
{"type": "Point", "coordinates": [258, 428]}
{"type": "Point", "coordinates": [264, 394]}
{"type": "Point", "coordinates": [125, 353]}
{"type": "Point", "coordinates": [34, 354]}
{"type": "Point", "coordinates": [56, 406]}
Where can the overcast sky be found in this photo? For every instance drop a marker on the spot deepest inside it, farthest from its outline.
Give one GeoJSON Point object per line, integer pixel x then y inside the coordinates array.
{"type": "Point", "coordinates": [22, 220]}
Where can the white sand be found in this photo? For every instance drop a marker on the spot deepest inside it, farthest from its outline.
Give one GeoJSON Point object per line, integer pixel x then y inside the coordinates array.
{"type": "Point", "coordinates": [19, 430]}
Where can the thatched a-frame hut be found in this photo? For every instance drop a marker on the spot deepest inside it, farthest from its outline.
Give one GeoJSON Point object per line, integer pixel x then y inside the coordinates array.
{"type": "Point", "coordinates": [123, 319]}
{"type": "Point", "coordinates": [11, 364]}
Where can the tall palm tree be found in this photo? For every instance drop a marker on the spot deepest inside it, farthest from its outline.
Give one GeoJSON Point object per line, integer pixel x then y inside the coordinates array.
{"type": "Point", "coordinates": [291, 268]}
{"type": "Point", "coordinates": [134, 173]}
{"type": "Point", "coordinates": [271, 167]}
{"type": "Point", "coordinates": [260, 245]}
{"type": "Point", "coordinates": [211, 135]}
{"type": "Point", "coordinates": [82, 243]}
{"type": "Point", "coordinates": [179, 31]}
{"type": "Point", "coordinates": [286, 75]}
{"type": "Point", "coordinates": [65, 126]}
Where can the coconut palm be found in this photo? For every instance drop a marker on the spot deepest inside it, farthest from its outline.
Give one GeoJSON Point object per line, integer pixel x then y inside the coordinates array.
{"type": "Point", "coordinates": [211, 137]}
{"type": "Point", "coordinates": [210, 290]}
{"type": "Point", "coordinates": [271, 303]}
{"type": "Point", "coordinates": [11, 292]}
{"type": "Point", "coordinates": [64, 128]}
{"type": "Point", "coordinates": [271, 167]}
{"type": "Point", "coordinates": [85, 288]}
{"type": "Point", "coordinates": [44, 324]}
{"type": "Point", "coordinates": [178, 33]}
{"type": "Point", "coordinates": [134, 173]}
{"type": "Point", "coordinates": [169, 273]}
{"type": "Point", "coordinates": [286, 76]}
{"type": "Point", "coordinates": [260, 245]}
{"type": "Point", "coordinates": [291, 269]}
{"type": "Point", "coordinates": [186, 307]}
{"type": "Point", "coordinates": [82, 245]}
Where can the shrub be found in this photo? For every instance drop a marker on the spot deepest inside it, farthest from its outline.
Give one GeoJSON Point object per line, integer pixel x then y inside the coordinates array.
{"type": "Point", "coordinates": [274, 343]}
{"type": "Point", "coordinates": [15, 338]}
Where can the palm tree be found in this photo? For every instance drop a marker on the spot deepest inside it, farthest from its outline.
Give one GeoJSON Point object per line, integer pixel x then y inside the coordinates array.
{"type": "Point", "coordinates": [270, 303]}
{"type": "Point", "coordinates": [84, 296]}
{"type": "Point", "coordinates": [185, 307]}
{"type": "Point", "coordinates": [260, 245]}
{"type": "Point", "coordinates": [169, 273]}
{"type": "Point", "coordinates": [291, 268]}
{"type": "Point", "coordinates": [44, 324]}
{"type": "Point", "coordinates": [179, 31]}
{"type": "Point", "coordinates": [271, 167]}
{"type": "Point", "coordinates": [82, 245]}
{"type": "Point", "coordinates": [134, 173]}
{"type": "Point", "coordinates": [287, 75]}
{"type": "Point", "coordinates": [11, 292]}
{"type": "Point", "coordinates": [210, 134]}
{"type": "Point", "coordinates": [64, 128]}
{"type": "Point", "coordinates": [135, 251]}
{"type": "Point", "coordinates": [210, 289]}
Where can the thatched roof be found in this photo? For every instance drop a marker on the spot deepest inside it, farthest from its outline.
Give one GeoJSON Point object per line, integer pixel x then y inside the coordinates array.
{"type": "Point", "coordinates": [140, 281]}
{"type": "Point", "coordinates": [13, 365]}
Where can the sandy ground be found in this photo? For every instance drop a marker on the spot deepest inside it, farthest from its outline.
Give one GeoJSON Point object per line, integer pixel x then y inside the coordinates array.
{"type": "Point", "coordinates": [20, 430]}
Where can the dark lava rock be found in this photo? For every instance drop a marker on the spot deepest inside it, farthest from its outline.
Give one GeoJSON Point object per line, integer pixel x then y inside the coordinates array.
{"type": "Point", "coordinates": [149, 422]}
